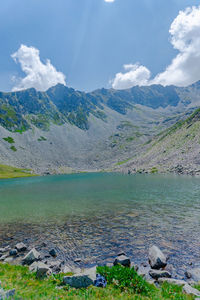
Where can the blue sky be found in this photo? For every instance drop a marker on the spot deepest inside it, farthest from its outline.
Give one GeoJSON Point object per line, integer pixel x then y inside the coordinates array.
{"type": "Point", "coordinates": [89, 41]}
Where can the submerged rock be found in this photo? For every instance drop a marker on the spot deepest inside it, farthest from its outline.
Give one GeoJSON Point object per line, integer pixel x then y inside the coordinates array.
{"type": "Point", "coordinates": [53, 252]}
{"type": "Point", "coordinates": [157, 259]}
{"type": "Point", "coordinates": [13, 252]}
{"type": "Point", "coordinates": [122, 260]}
{"type": "Point", "coordinates": [31, 256]}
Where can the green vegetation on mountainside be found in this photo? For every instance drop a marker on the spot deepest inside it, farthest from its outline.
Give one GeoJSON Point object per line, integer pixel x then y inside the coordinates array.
{"type": "Point", "coordinates": [12, 172]}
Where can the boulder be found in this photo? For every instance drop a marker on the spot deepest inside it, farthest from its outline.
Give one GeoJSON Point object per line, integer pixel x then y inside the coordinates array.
{"type": "Point", "coordinates": [31, 256]}
{"type": "Point", "coordinates": [42, 270]}
{"type": "Point", "coordinates": [187, 289]}
{"type": "Point", "coordinates": [53, 252]}
{"type": "Point", "coordinates": [144, 272]}
{"type": "Point", "coordinates": [55, 266]}
{"type": "Point", "coordinates": [157, 259]}
{"type": "Point", "coordinates": [78, 281]}
{"type": "Point", "coordinates": [6, 294]}
{"type": "Point", "coordinates": [122, 260]}
{"type": "Point", "coordinates": [193, 274]}
{"type": "Point", "coordinates": [8, 260]}
{"type": "Point", "coordinates": [21, 247]}
{"type": "Point", "coordinates": [155, 274]}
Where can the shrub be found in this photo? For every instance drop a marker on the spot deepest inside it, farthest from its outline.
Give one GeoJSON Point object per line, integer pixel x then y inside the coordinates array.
{"type": "Point", "coordinates": [126, 279]}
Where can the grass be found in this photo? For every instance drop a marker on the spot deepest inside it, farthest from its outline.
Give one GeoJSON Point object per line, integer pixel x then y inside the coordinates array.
{"type": "Point", "coordinates": [123, 283]}
{"type": "Point", "coordinates": [12, 172]}
{"type": "Point", "coordinates": [13, 148]}
{"type": "Point", "coordinates": [122, 162]}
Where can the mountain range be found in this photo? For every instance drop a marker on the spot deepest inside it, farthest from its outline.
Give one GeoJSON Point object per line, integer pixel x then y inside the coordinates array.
{"type": "Point", "coordinates": [63, 130]}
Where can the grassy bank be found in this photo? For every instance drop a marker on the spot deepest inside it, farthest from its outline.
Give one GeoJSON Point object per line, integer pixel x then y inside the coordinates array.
{"type": "Point", "coordinates": [12, 172]}
{"type": "Point", "coordinates": [122, 284]}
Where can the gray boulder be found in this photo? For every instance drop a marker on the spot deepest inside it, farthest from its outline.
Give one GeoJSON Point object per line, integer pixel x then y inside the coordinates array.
{"type": "Point", "coordinates": [31, 256]}
{"type": "Point", "coordinates": [6, 294]}
{"type": "Point", "coordinates": [157, 259]}
{"type": "Point", "coordinates": [155, 274]}
{"type": "Point", "coordinates": [42, 270]}
{"type": "Point", "coordinates": [193, 274]}
{"type": "Point", "coordinates": [78, 281]}
{"type": "Point", "coordinates": [187, 289]}
{"type": "Point", "coordinates": [21, 247]}
{"type": "Point", "coordinates": [122, 260]}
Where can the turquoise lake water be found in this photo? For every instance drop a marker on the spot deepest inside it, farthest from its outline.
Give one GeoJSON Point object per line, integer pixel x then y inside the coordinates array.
{"type": "Point", "coordinates": [94, 216]}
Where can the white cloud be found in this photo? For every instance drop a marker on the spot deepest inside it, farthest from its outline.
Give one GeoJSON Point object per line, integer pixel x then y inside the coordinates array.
{"type": "Point", "coordinates": [185, 67]}
{"type": "Point", "coordinates": [39, 75]}
{"type": "Point", "coordinates": [135, 75]}
{"type": "Point", "coordinates": [109, 0]}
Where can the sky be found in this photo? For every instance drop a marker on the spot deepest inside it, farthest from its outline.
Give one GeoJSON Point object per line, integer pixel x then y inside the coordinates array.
{"type": "Point", "coordinates": [90, 44]}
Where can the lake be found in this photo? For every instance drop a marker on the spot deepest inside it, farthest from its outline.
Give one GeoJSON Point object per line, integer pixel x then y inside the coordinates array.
{"type": "Point", "coordinates": [94, 216]}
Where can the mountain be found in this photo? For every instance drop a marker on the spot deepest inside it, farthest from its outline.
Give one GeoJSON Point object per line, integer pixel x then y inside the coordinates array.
{"type": "Point", "coordinates": [63, 129]}
{"type": "Point", "coordinates": [176, 149]}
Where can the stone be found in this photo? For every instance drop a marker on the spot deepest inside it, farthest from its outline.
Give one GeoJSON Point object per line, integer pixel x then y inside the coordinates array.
{"type": "Point", "coordinates": [172, 281]}
{"type": "Point", "coordinates": [187, 289]}
{"type": "Point", "coordinates": [53, 252]}
{"type": "Point", "coordinates": [21, 247]}
{"type": "Point", "coordinates": [133, 265]}
{"type": "Point", "coordinates": [122, 260]}
{"type": "Point", "coordinates": [6, 294]}
{"type": "Point", "coordinates": [31, 256]}
{"type": "Point", "coordinates": [155, 274]}
{"type": "Point", "coordinates": [42, 270]}
{"type": "Point", "coordinates": [55, 266]}
{"type": "Point", "coordinates": [100, 281]}
{"type": "Point", "coordinates": [77, 260]}
{"type": "Point", "coordinates": [110, 265]}
{"type": "Point", "coordinates": [3, 257]}
{"type": "Point", "coordinates": [78, 281]}
{"type": "Point", "coordinates": [193, 274]}
{"type": "Point", "coordinates": [157, 259]}
{"type": "Point", "coordinates": [90, 272]}
{"type": "Point", "coordinates": [13, 252]}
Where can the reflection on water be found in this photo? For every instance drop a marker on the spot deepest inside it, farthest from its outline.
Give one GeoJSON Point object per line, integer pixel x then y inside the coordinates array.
{"type": "Point", "coordinates": [94, 216]}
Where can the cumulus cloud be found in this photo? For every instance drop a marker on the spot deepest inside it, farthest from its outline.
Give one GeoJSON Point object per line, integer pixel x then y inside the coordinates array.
{"type": "Point", "coordinates": [109, 0]}
{"type": "Point", "coordinates": [134, 75]}
{"type": "Point", "coordinates": [185, 67]}
{"type": "Point", "coordinates": [39, 75]}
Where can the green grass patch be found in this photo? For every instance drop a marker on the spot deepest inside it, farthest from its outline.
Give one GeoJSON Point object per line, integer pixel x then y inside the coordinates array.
{"type": "Point", "coordinates": [122, 162]}
{"type": "Point", "coordinates": [9, 139]}
{"type": "Point", "coordinates": [123, 283]}
{"type": "Point", "coordinates": [12, 172]}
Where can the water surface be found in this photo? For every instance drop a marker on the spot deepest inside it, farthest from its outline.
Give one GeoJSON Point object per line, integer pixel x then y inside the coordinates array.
{"type": "Point", "coordinates": [94, 216]}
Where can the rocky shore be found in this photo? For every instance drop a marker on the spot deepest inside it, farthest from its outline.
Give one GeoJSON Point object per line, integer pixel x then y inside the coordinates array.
{"type": "Point", "coordinates": [156, 270]}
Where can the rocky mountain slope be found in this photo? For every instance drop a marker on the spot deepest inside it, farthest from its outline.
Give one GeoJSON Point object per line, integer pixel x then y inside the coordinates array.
{"type": "Point", "coordinates": [64, 129]}
{"type": "Point", "coordinates": [176, 149]}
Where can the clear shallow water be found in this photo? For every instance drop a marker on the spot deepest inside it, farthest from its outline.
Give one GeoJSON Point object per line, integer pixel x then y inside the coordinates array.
{"type": "Point", "coordinates": [94, 216]}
